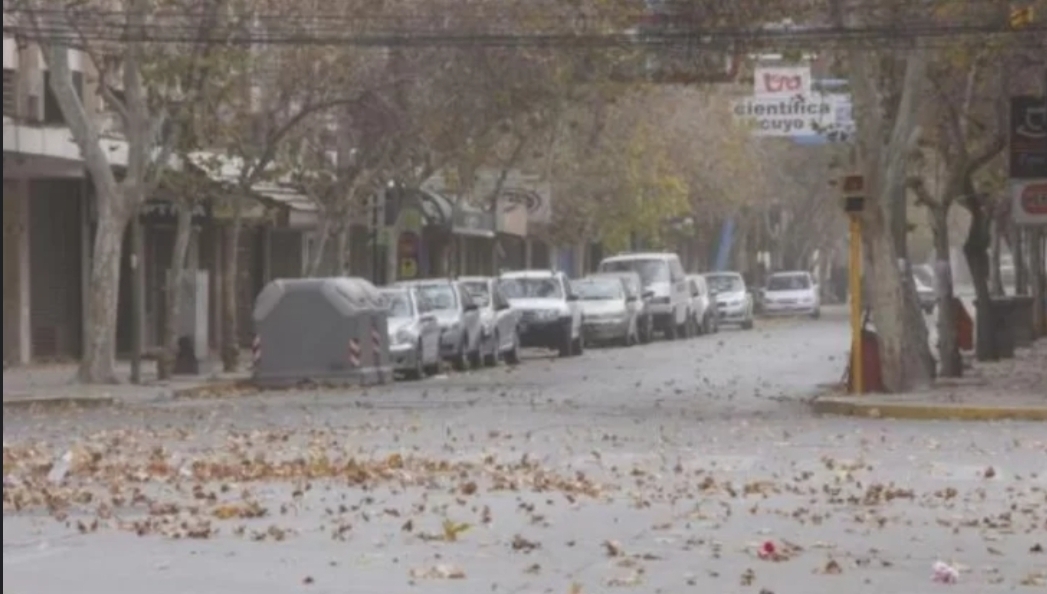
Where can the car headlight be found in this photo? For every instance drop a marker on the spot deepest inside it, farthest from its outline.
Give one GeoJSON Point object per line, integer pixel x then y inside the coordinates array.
{"type": "Point", "coordinates": [405, 336]}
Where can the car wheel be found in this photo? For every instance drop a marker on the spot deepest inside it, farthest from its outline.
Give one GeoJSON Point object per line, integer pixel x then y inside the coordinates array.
{"type": "Point", "coordinates": [512, 356]}
{"type": "Point", "coordinates": [476, 358]}
{"type": "Point", "coordinates": [817, 313]}
{"type": "Point", "coordinates": [460, 360]}
{"type": "Point", "coordinates": [645, 330]}
{"type": "Point", "coordinates": [578, 345]}
{"type": "Point", "coordinates": [747, 324]}
{"type": "Point", "coordinates": [566, 343]}
{"type": "Point", "coordinates": [418, 372]}
{"type": "Point", "coordinates": [491, 359]}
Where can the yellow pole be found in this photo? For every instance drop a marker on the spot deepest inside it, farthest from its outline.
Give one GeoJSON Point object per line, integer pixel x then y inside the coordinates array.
{"type": "Point", "coordinates": [857, 372]}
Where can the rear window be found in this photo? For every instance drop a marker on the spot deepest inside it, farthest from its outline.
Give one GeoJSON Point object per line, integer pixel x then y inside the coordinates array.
{"type": "Point", "coordinates": [788, 282]}
{"type": "Point", "coordinates": [650, 270]}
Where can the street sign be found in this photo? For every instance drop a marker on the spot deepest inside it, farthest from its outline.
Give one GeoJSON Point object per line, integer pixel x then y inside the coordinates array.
{"type": "Point", "coordinates": [1029, 202]}
{"type": "Point", "coordinates": [1027, 149]}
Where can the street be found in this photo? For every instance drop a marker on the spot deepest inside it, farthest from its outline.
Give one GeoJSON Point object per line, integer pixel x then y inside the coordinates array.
{"type": "Point", "coordinates": [658, 468]}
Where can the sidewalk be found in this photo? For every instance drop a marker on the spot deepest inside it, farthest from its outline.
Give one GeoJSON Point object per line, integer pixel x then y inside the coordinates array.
{"type": "Point", "coordinates": [55, 385]}
{"type": "Point", "coordinates": [1009, 389]}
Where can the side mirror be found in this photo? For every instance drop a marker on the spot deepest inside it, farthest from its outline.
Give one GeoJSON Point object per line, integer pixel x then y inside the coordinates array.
{"type": "Point", "coordinates": [471, 307]}
{"type": "Point", "coordinates": [631, 298]}
{"type": "Point", "coordinates": [572, 297]}
{"type": "Point", "coordinates": [427, 318]}
{"type": "Point", "coordinates": [648, 294]}
{"type": "Point", "coordinates": [504, 305]}
{"type": "Point", "coordinates": [696, 294]}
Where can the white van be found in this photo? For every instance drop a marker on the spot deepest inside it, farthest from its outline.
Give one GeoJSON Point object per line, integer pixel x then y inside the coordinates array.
{"type": "Point", "coordinates": [664, 284]}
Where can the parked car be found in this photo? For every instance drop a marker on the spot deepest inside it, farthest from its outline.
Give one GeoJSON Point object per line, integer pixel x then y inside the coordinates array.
{"type": "Point", "coordinates": [498, 320]}
{"type": "Point", "coordinates": [549, 313]}
{"type": "Point", "coordinates": [461, 336]}
{"type": "Point", "coordinates": [703, 305]}
{"type": "Point", "coordinates": [734, 302]}
{"type": "Point", "coordinates": [609, 314]}
{"type": "Point", "coordinates": [641, 304]}
{"type": "Point", "coordinates": [791, 293]}
{"type": "Point", "coordinates": [662, 274]}
{"type": "Point", "coordinates": [926, 282]}
{"type": "Point", "coordinates": [414, 337]}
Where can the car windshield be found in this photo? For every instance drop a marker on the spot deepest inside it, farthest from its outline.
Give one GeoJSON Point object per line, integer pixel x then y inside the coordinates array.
{"type": "Point", "coordinates": [598, 290]}
{"type": "Point", "coordinates": [725, 283]}
{"type": "Point", "coordinates": [439, 296]}
{"type": "Point", "coordinates": [398, 304]}
{"type": "Point", "coordinates": [650, 270]}
{"type": "Point", "coordinates": [479, 291]}
{"type": "Point", "coordinates": [524, 288]}
{"type": "Point", "coordinates": [788, 282]}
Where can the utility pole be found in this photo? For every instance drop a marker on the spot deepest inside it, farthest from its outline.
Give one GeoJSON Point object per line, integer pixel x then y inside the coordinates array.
{"type": "Point", "coordinates": [853, 190]}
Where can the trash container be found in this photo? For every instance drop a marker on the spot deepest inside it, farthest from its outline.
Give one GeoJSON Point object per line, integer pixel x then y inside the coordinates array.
{"type": "Point", "coordinates": [1019, 319]}
{"type": "Point", "coordinates": [320, 330]}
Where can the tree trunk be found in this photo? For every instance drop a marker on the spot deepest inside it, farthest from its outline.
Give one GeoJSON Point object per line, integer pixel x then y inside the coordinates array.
{"type": "Point", "coordinates": [175, 282]}
{"type": "Point", "coordinates": [230, 284]}
{"type": "Point", "coordinates": [98, 364]}
{"type": "Point", "coordinates": [1039, 280]}
{"type": "Point", "coordinates": [976, 251]}
{"type": "Point", "coordinates": [994, 265]}
{"type": "Point", "coordinates": [323, 233]}
{"type": "Point", "coordinates": [949, 362]}
{"type": "Point", "coordinates": [342, 257]}
{"type": "Point", "coordinates": [1021, 272]}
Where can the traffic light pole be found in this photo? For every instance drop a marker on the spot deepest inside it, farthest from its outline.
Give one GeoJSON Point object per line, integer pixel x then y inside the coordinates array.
{"type": "Point", "coordinates": [855, 267]}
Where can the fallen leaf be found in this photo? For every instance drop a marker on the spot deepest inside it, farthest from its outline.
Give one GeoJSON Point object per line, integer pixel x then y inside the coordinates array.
{"type": "Point", "coordinates": [613, 548]}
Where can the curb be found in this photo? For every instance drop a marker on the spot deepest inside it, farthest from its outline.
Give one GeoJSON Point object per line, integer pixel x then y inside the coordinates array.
{"type": "Point", "coordinates": [219, 389]}
{"type": "Point", "coordinates": [61, 402]}
{"type": "Point", "coordinates": [927, 412]}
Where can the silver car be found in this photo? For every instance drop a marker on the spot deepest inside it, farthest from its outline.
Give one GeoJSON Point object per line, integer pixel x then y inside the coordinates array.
{"type": "Point", "coordinates": [703, 305]}
{"type": "Point", "coordinates": [609, 314]}
{"type": "Point", "coordinates": [498, 320]}
{"type": "Point", "coordinates": [734, 302]}
{"type": "Point", "coordinates": [461, 337]}
{"type": "Point", "coordinates": [639, 300]}
{"type": "Point", "coordinates": [414, 337]}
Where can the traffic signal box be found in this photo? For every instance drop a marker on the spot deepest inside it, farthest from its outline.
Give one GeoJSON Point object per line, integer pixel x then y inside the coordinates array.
{"type": "Point", "coordinates": [852, 188]}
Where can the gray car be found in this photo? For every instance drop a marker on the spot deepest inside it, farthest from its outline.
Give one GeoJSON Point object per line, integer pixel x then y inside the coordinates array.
{"type": "Point", "coordinates": [734, 302]}
{"type": "Point", "coordinates": [609, 312]}
{"type": "Point", "coordinates": [414, 336]}
{"type": "Point", "coordinates": [498, 320]}
{"type": "Point", "coordinates": [639, 300]}
{"type": "Point", "coordinates": [461, 336]}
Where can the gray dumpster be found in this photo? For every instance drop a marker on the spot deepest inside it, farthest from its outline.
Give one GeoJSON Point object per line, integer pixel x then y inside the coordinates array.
{"type": "Point", "coordinates": [320, 330]}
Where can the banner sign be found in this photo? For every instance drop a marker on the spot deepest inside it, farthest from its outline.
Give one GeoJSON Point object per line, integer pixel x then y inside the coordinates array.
{"type": "Point", "coordinates": [782, 82]}
{"type": "Point", "coordinates": [1028, 138]}
{"type": "Point", "coordinates": [787, 118]}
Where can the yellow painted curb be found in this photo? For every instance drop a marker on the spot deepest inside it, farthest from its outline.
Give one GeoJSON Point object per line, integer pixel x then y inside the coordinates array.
{"type": "Point", "coordinates": [70, 402]}
{"type": "Point", "coordinates": [926, 412]}
{"type": "Point", "coordinates": [223, 389]}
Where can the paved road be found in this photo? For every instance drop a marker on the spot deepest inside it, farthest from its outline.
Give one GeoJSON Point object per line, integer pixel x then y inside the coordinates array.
{"type": "Point", "coordinates": [653, 469]}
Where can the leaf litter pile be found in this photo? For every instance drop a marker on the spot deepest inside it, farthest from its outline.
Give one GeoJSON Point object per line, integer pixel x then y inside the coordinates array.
{"type": "Point", "coordinates": [144, 483]}
{"type": "Point", "coordinates": [124, 480]}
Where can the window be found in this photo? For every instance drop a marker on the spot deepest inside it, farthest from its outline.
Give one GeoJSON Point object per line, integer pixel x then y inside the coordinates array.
{"type": "Point", "coordinates": [652, 270]}
{"type": "Point", "coordinates": [52, 111]}
{"type": "Point", "coordinates": [438, 297]}
{"type": "Point", "coordinates": [598, 289]}
{"type": "Point", "coordinates": [725, 283]}
{"type": "Point", "coordinates": [399, 304]}
{"type": "Point", "coordinates": [9, 92]}
{"type": "Point", "coordinates": [788, 282]}
{"type": "Point", "coordinates": [479, 292]}
{"type": "Point", "coordinates": [532, 288]}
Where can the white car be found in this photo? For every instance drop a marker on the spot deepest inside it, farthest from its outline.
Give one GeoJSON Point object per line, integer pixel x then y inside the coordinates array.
{"type": "Point", "coordinates": [734, 303]}
{"type": "Point", "coordinates": [549, 313]}
{"type": "Point", "coordinates": [498, 320]}
{"type": "Point", "coordinates": [663, 277]}
{"type": "Point", "coordinates": [414, 337]}
{"type": "Point", "coordinates": [791, 293]}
